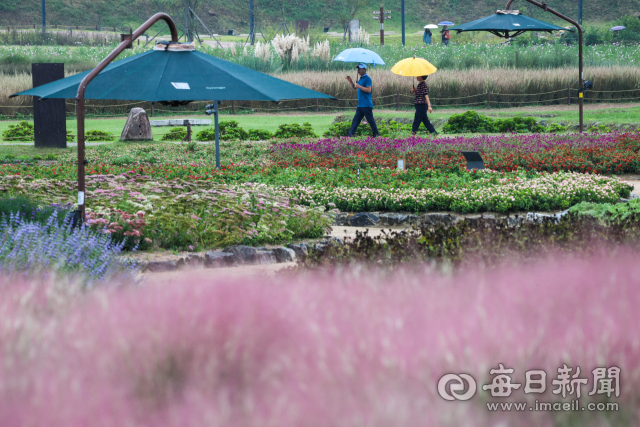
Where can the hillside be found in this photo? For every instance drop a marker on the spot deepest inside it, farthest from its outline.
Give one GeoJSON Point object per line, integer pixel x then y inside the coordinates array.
{"type": "Point", "coordinates": [222, 15]}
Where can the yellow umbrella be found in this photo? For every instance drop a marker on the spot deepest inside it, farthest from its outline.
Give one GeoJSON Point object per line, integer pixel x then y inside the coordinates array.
{"type": "Point", "coordinates": [413, 67]}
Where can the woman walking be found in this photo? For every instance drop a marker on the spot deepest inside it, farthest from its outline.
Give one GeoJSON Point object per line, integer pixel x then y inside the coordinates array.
{"type": "Point", "coordinates": [422, 105]}
{"type": "Point", "coordinates": [426, 37]}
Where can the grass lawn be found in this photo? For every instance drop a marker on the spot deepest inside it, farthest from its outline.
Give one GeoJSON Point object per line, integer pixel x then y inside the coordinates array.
{"type": "Point", "coordinates": [321, 122]}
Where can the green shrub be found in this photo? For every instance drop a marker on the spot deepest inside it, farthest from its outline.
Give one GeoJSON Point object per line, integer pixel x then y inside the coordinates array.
{"type": "Point", "coordinates": [294, 130]}
{"type": "Point", "coordinates": [600, 129]}
{"type": "Point", "coordinates": [518, 125]}
{"type": "Point", "coordinates": [98, 135]}
{"type": "Point", "coordinates": [23, 131]}
{"type": "Point", "coordinates": [175, 134]}
{"type": "Point", "coordinates": [229, 130]}
{"type": "Point", "coordinates": [556, 128]}
{"type": "Point", "coordinates": [259, 135]}
{"type": "Point", "coordinates": [470, 121]}
{"type": "Point", "coordinates": [607, 212]}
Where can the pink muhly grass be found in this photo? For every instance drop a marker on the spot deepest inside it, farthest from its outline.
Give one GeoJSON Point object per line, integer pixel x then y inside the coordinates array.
{"type": "Point", "coordinates": [343, 348]}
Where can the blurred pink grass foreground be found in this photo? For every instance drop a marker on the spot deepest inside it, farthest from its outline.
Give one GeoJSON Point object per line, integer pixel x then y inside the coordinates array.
{"type": "Point", "coordinates": [356, 348]}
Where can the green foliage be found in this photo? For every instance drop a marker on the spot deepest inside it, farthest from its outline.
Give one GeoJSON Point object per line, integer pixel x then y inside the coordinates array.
{"type": "Point", "coordinates": [294, 130]}
{"type": "Point", "coordinates": [468, 122]}
{"type": "Point", "coordinates": [486, 240]}
{"type": "Point", "coordinates": [472, 122]}
{"type": "Point", "coordinates": [259, 135]}
{"type": "Point", "coordinates": [600, 129]}
{"type": "Point", "coordinates": [608, 212]}
{"type": "Point", "coordinates": [229, 130]}
{"type": "Point", "coordinates": [175, 134]}
{"type": "Point", "coordinates": [98, 135]}
{"type": "Point", "coordinates": [556, 128]}
{"type": "Point", "coordinates": [385, 129]}
{"type": "Point", "coordinates": [23, 131]}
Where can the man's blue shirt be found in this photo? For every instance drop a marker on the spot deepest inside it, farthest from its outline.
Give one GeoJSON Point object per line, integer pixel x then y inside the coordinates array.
{"type": "Point", "coordinates": [365, 99]}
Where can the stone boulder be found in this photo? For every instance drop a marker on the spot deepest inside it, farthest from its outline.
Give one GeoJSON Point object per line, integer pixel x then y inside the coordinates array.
{"type": "Point", "coordinates": [434, 219]}
{"type": "Point", "coordinates": [137, 127]}
{"type": "Point", "coordinates": [284, 254]}
{"type": "Point", "coordinates": [363, 219]}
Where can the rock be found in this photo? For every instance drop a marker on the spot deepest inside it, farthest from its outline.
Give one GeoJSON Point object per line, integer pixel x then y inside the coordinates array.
{"type": "Point", "coordinates": [339, 218]}
{"type": "Point", "coordinates": [477, 219]}
{"type": "Point", "coordinates": [514, 221]}
{"type": "Point", "coordinates": [333, 239]}
{"type": "Point", "coordinates": [633, 196]}
{"type": "Point", "coordinates": [244, 254]}
{"type": "Point", "coordinates": [284, 254]}
{"type": "Point", "coordinates": [318, 246]}
{"type": "Point", "coordinates": [266, 257]}
{"type": "Point", "coordinates": [539, 218]}
{"type": "Point", "coordinates": [194, 260]}
{"type": "Point", "coordinates": [301, 250]}
{"type": "Point", "coordinates": [215, 259]}
{"type": "Point", "coordinates": [396, 218]}
{"type": "Point", "coordinates": [363, 219]}
{"type": "Point", "coordinates": [137, 127]}
{"type": "Point", "coordinates": [430, 220]}
{"type": "Point", "coordinates": [165, 265]}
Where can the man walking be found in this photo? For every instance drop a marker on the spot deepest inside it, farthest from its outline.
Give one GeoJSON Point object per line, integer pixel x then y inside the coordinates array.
{"type": "Point", "coordinates": [365, 101]}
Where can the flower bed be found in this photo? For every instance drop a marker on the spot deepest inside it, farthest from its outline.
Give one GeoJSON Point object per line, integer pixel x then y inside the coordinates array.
{"type": "Point", "coordinates": [606, 154]}
{"type": "Point", "coordinates": [181, 214]}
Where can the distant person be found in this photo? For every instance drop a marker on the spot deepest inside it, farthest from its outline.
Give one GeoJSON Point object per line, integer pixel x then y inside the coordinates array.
{"type": "Point", "coordinates": [426, 37]}
{"type": "Point", "coordinates": [445, 36]}
{"type": "Point", "coordinates": [365, 101]}
{"type": "Point", "coordinates": [422, 104]}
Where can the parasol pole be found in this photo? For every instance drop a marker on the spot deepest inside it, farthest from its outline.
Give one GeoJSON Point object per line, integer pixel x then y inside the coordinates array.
{"type": "Point", "coordinates": [579, 28]}
{"type": "Point", "coordinates": [127, 42]}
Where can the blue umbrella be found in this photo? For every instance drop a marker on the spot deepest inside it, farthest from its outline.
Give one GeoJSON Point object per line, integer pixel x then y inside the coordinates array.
{"type": "Point", "coordinates": [358, 55]}
{"type": "Point", "coordinates": [446, 23]}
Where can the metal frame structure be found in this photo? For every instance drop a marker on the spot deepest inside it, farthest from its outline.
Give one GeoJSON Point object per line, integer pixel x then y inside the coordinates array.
{"type": "Point", "coordinates": [126, 43]}
{"type": "Point", "coordinates": [579, 28]}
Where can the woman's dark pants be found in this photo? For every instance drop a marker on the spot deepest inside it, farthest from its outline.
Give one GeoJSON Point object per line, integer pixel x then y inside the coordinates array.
{"type": "Point", "coordinates": [366, 112]}
{"type": "Point", "coordinates": [421, 117]}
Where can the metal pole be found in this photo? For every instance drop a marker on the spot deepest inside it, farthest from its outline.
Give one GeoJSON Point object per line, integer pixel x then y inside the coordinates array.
{"type": "Point", "coordinates": [580, 12]}
{"type": "Point", "coordinates": [217, 127]}
{"type": "Point", "coordinates": [87, 79]}
{"type": "Point", "coordinates": [581, 76]}
{"type": "Point", "coordinates": [251, 25]}
{"type": "Point", "coordinates": [402, 22]}
{"type": "Point", "coordinates": [381, 25]}
{"type": "Point", "coordinates": [187, 33]}
{"type": "Point", "coordinates": [44, 16]}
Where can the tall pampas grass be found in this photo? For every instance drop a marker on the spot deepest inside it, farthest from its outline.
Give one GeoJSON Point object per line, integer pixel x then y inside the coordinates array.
{"type": "Point", "coordinates": [344, 348]}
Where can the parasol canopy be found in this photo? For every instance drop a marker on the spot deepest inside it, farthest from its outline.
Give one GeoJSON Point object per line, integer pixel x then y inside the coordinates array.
{"type": "Point", "coordinates": [507, 23]}
{"type": "Point", "coordinates": [413, 67]}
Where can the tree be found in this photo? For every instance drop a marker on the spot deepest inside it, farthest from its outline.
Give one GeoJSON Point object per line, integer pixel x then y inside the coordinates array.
{"type": "Point", "coordinates": [346, 11]}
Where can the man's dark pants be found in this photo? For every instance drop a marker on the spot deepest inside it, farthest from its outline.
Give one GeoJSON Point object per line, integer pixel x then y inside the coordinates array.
{"type": "Point", "coordinates": [366, 112]}
{"type": "Point", "coordinates": [421, 117]}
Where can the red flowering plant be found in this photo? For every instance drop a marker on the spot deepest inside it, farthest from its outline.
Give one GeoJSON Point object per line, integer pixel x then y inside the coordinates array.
{"type": "Point", "coordinates": [122, 226]}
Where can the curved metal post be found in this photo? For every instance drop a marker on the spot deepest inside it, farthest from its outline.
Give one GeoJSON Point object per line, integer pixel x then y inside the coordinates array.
{"type": "Point", "coordinates": [579, 28]}
{"type": "Point", "coordinates": [87, 79]}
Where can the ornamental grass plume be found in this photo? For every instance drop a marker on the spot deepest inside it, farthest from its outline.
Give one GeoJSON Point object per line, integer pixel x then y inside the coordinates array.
{"type": "Point", "coordinates": [353, 347]}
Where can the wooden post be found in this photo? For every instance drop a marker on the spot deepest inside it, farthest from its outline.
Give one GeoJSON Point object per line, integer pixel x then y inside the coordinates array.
{"type": "Point", "coordinates": [233, 107]}
{"type": "Point", "coordinates": [316, 105]}
{"type": "Point", "coordinates": [398, 100]}
{"type": "Point", "coordinates": [152, 109]}
{"type": "Point", "coordinates": [488, 98]}
{"type": "Point", "coordinates": [568, 95]}
{"type": "Point", "coordinates": [77, 28]}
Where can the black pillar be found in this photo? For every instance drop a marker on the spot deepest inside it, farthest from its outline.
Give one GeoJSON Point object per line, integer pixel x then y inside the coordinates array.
{"type": "Point", "coordinates": [49, 116]}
